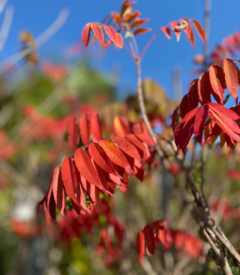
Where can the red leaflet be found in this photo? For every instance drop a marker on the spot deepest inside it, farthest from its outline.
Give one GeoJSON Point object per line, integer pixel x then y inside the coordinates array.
{"type": "Point", "coordinates": [190, 100]}
{"type": "Point", "coordinates": [84, 129]}
{"type": "Point", "coordinates": [119, 40]}
{"type": "Point", "coordinates": [226, 119]}
{"type": "Point", "coordinates": [147, 139]}
{"type": "Point", "coordinates": [166, 31]}
{"type": "Point", "coordinates": [139, 23]}
{"type": "Point", "coordinates": [114, 153]}
{"type": "Point", "coordinates": [199, 122]}
{"type": "Point", "coordinates": [69, 179]}
{"type": "Point", "coordinates": [99, 156]}
{"type": "Point", "coordinates": [149, 238]}
{"type": "Point", "coordinates": [176, 31]}
{"type": "Point", "coordinates": [199, 29]}
{"type": "Point", "coordinates": [127, 147]}
{"type": "Point", "coordinates": [73, 131]}
{"type": "Point", "coordinates": [98, 32]}
{"type": "Point", "coordinates": [96, 128]}
{"type": "Point", "coordinates": [139, 145]}
{"type": "Point", "coordinates": [86, 168]}
{"type": "Point", "coordinates": [189, 32]}
{"type": "Point", "coordinates": [230, 71]}
{"type": "Point", "coordinates": [86, 34]}
{"type": "Point", "coordinates": [140, 244]}
{"type": "Point", "coordinates": [141, 31]}
{"type": "Point", "coordinates": [185, 130]}
{"type": "Point", "coordinates": [120, 128]}
{"type": "Point", "coordinates": [204, 88]}
{"type": "Point", "coordinates": [103, 179]}
{"type": "Point", "coordinates": [58, 192]}
{"type": "Point", "coordinates": [218, 83]}
{"type": "Point", "coordinates": [111, 33]}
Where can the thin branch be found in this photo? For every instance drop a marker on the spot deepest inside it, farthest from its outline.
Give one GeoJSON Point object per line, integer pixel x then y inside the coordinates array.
{"type": "Point", "coordinates": [145, 117]}
{"type": "Point", "coordinates": [226, 243]}
{"type": "Point", "coordinates": [40, 40]}
{"type": "Point", "coordinates": [149, 43]}
{"type": "Point", "coordinates": [222, 259]}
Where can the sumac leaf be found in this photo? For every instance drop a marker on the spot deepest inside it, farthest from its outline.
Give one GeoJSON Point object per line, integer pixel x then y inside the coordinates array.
{"type": "Point", "coordinates": [231, 75]}
{"type": "Point", "coordinates": [86, 34]}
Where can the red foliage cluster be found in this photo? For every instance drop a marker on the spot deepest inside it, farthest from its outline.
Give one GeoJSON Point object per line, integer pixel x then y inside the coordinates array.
{"type": "Point", "coordinates": [100, 166]}
{"type": "Point", "coordinates": [127, 19]}
{"type": "Point", "coordinates": [7, 148]}
{"type": "Point", "coordinates": [229, 47]}
{"type": "Point", "coordinates": [111, 229]}
{"type": "Point", "coordinates": [158, 232]}
{"type": "Point", "coordinates": [228, 212]}
{"type": "Point", "coordinates": [114, 37]}
{"type": "Point", "coordinates": [187, 29]}
{"type": "Point", "coordinates": [224, 122]}
{"type": "Point", "coordinates": [54, 72]}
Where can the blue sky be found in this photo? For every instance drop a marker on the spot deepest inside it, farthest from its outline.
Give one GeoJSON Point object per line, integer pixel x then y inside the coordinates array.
{"type": "Point", "coordinates": [163, 56]}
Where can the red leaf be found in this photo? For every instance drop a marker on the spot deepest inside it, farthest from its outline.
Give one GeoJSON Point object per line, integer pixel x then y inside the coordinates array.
{"type": "Point", "coordinates": [139, 23]}
{"type": "Point", "coordinates": [204, 88]}
{"type": "Point", "coordinates": [190, 100]}
{"type": "Point", "coordinates": [141, 31]}
{"type": "Point", "coordinates": [120, 127]}
{"type": "Point", "coordinates": [58, 191]}
{"type": "Point", "coordinates": [127, 147]}
{"type": "Point", "coordinates": [96, 127]}
{"type": "Point", "coordinates": [139, 145]}
{"type": "Point", "coordinates": [84, 129]}
{"type": "Point", "coordinates": [199, 29]}
{"type": "Point", "coordinates": [199, 123]}
{"type": "Point", "coordinates": [119, 40]}
{"type": "Point", "coordinates": [70, 179]}
{"type": "Point", "coordinates": [86, 168]}
{"type": "Point", "coordinates": [140, 244]}
{"type": "Point", "coordinates": [147, 139]}
{"type": "Point", "coordinates": [111, 33]}
{"type": "Point", "coordinates": [173, 25]}
{"type": "Point", "coordinates": [114, 153]}
{"type": "Point", "coordinates": [99, 156]}
{"type": "Point", "coordinates": [86, 34]}
{"type": "Point", "coordinates": [166, 31]}
{"type": "Point", "coordinates": [98, 32]}
{"type": "Point", "coordinates": [149, 238]}
{"type": "Point", "coordinates": [73, 131]}
{"type": "Point", "coordinates": [185, 130]}
{"type": "Point", "coordinates": [231, 75]}
{"type": "Point", "coordinates": [217, 79]}
{"type": "Point", "coordinates": [189, 32]}
{"type": "Point", "coordinates": [226, 119]}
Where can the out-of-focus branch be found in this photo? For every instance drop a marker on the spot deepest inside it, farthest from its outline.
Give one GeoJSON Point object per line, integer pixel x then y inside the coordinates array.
{"type": "Point", "coordinates": [206, 25]}
{"type": "Point", "coordinates": [2, 5]}
{"type": "Point", "coordinates": [40, 40]}
{"type": "Point", "coordinates": [6, 25]}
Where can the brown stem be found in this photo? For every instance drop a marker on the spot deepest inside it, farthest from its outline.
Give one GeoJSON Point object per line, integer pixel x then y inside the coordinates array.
{"type": "Point", "coordinates": [145, 117]}
{"type": "Point", "coordinates": [222, 258]}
